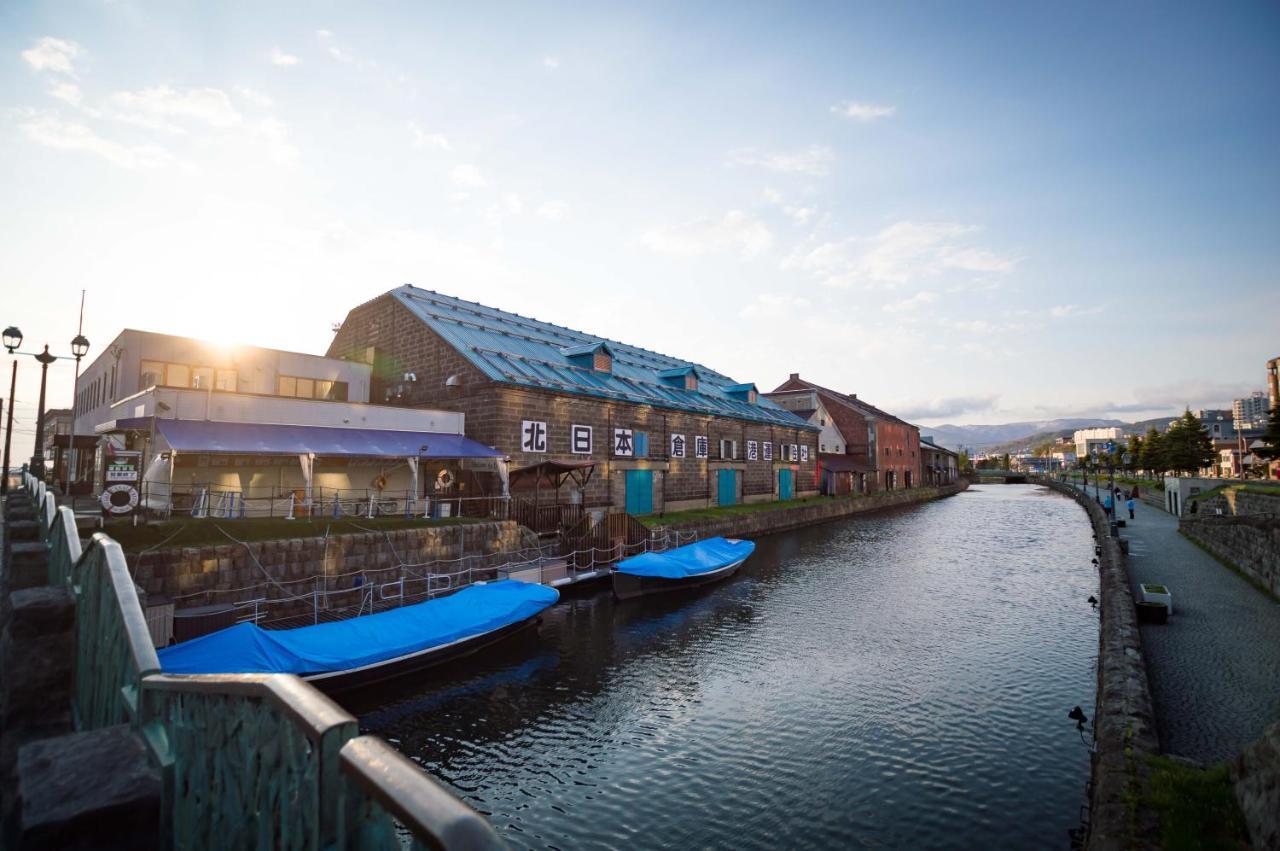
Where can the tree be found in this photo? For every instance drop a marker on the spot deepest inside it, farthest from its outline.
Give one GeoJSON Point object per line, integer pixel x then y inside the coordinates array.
{"type": "Point", "coordinates": [965, 463]}
{"type": "Point", "coordinates": [1135, 454]}
{"type": "Point", "coordinates": [1271, 437]}
{"type": "Point", "coordinates": [1153, 453]}
{"type": "Point", "coordinates": [1189, 447]}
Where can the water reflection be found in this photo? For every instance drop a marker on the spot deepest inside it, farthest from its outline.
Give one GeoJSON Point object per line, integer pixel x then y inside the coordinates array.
{"type": "Point", "coordinates": [897, 680]}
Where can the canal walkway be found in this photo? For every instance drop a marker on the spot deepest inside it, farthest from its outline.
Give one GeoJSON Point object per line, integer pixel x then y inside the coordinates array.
{"type": "Point", "coordinates": [1214, 668]}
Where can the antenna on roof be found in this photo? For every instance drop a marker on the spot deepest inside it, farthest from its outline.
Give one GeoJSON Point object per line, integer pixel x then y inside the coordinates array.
{"type": "Point", "coordinates": [335, 327]}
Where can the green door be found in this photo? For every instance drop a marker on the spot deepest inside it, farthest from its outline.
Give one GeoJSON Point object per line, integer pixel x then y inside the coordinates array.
{"type": "Point", "coordinates": [786, 484]}
{"type": "Point", "coordinates": [639, 491]}
{"type": "Point", "coordinates": [727, 487]}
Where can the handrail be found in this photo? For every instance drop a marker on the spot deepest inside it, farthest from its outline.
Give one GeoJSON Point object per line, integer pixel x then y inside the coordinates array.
{"type": "Point", "coordinates": [64, 547]}
{"type": "Point", "coordinates": [384, 781]}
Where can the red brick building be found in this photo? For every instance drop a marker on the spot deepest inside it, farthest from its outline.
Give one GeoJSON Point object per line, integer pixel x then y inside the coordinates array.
{"type": "Point", "coordinates": [881, 451]}
{"type": "Point", "coordinates": [664, 434]}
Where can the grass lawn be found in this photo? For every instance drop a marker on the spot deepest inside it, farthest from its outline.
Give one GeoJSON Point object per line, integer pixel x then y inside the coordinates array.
{"type": "Point", "coordinates": [1196, 806]}
{"type": "Point", "coordinates": [1251, 487]}
{"type": "Point", "coordinates": [717, 512]}
{"type": "Point", "coordinates": [199, 533]}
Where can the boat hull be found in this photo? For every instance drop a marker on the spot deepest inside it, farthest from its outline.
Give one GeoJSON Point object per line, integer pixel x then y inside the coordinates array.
{"type": "Point", "coordinates": [335, 682]}
{"type": "Point", "coordinates": [627, 586]}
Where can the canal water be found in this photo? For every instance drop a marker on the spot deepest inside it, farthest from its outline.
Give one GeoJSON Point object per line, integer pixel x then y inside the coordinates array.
{"type": "Point", "coordinates": [896, 680]}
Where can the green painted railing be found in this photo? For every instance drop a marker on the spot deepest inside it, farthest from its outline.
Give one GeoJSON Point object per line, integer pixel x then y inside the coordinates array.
{"type": "Point", "coordinates": [248, 760]}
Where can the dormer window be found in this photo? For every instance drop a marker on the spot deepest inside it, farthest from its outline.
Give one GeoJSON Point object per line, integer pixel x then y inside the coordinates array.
{"type": "Point", "coordinates": [682, 377]}
{"type": "Point", "coordinates": [743, 393]}
{"type": "Point", "coordinates": [593, 356]}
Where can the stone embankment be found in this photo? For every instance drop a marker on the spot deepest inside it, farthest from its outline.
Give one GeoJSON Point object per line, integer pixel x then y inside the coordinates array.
{"type": "Point", "coordinates": [767, 521]}
{"type": "Point", "coordinates": [193, 570]}
{"type": "Point", "coordinates": [1124, 716]}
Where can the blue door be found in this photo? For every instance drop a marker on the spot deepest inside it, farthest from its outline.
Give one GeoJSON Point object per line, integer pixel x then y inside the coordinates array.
{"type": "Point", "coordinates": [727, 487]}
{"type": "Point", "coordinates": [639, 491]}
{"type": "Point", "coordinates": [786, 484]}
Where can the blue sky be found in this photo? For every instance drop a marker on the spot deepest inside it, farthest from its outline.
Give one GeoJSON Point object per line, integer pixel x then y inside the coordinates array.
{"type": "Point", "coordinates": [965, 213]}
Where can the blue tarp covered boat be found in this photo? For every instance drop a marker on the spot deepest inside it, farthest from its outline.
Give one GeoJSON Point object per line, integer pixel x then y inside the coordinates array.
{"type": "Point", "coordinates": [339, 655]}
{"type": "Point", "coordinates": [684, 567]}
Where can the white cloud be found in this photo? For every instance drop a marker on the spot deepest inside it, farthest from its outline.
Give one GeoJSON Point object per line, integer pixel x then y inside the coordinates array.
{"type": "Point", "coordinates": [325, 37]}
{"type": "Point", "coordinates": [157, 107]}
{"type": "Point", "coordinates": [53, 132]}
{"type": "Point", "coordinates": [275, 136]}
{"type": "Point", "coordinates": [68, 92]}
{"type": "Point", "coordinates": [799, 215]}
{"type": "Point", "coordinates": [864, 112]}
{"type": "Point", "coordinates": [1065, 311]}
{"type": "Point", "coordinates": [467, 175]}
{"type": "Point", "coordinates": [282, 59]}
{"type": "Point", "coordinates": [552, 62]}
{"type": "Point", "coordinates": [423, 139]}
{"type": "Point", "coordinates": [950, 406]}
{"type": "Point", "coordinates": [735, 231]}
{"type": "Point", "coordinates": [52, 54]}
{"type": "Point", "coordinates": [915, 302]}
{"type": "Point", "coordinates": [814, 160]}
{"type": "Point", "coordinates": [901, 252]}
{"type": "Point", "coordinates": [254, 96]}
{"type": "Point", "coordinates": [773, 305]}
{"type": "Point", "coordinates": [513, 203]}
{"type": "Point", "coordinates": [552, 211]}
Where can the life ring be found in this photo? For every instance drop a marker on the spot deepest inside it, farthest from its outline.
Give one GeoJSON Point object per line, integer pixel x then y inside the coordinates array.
{"type": "Point", "coordinates": [380, 482]}
{"type": "Point", "coordinates": [444, 480]}
{"type": "Point", "coordinates": [119, 499]}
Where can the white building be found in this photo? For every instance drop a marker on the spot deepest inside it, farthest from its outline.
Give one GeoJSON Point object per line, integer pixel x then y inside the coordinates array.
{"type": "Point", "coordinates": [1088, 439]}
{"type": "Point", "coordinates": [246, 431]}
{"type": "Point", "coordinates": [1251, 412]}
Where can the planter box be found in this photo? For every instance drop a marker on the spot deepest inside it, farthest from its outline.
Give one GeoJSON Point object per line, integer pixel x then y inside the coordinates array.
{"type": "Point", "coordinates": [1157, 594]}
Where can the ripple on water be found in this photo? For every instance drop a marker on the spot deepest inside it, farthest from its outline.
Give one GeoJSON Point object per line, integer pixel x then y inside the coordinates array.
{"type": "Point", "coordinates": [898, 680]}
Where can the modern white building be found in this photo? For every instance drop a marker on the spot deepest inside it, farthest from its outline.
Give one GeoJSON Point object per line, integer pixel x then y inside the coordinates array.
{"type": "Point", "coordinates": [1251, 412]}
{"type": "Point", "coordinates": [1088, 439]}
{"type": "Point", "coordinates": [249, 431]}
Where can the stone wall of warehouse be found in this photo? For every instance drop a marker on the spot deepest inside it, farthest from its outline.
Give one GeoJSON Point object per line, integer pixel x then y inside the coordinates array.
{"type": "Point", "coordinates": [1248, 542]}
{"type": "Point", "coordinates": [495, 413]}
{"type": "Point", "coordinates": [180, 573]}
{"type": "Point", "coordinates": [782, 518]}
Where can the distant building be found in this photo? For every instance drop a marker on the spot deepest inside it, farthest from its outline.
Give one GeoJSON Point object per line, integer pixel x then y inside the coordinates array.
{"type": "Point", "coordinates": [1219, 422]}
{"type": "Point", "coordinates": [938, 465]}
{"type": "Point", "coordinates": [1251, 412]}
{"type": "Point", "coordinates": [1089, 439]}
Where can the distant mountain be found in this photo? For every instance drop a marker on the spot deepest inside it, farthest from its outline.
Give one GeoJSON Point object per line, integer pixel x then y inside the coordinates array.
{"type": "Point", "coordinates": [988, 436]}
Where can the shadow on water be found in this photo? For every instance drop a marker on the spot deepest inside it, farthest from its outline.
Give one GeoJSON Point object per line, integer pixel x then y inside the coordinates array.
{"type": "Point", "coordinates": [897, 680]}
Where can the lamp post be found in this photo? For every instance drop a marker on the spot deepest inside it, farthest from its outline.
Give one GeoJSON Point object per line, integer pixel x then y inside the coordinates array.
{"type": "Point", "coordinates": [12, 339]}
{"type": "Point", "coordinates": [79, 348]}
{"type": "Point", "coordinates": [37, 459]}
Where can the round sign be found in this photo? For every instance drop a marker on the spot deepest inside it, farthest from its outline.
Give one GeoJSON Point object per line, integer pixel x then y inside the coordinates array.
{"type": "Point", "coordinates": [119, 499]}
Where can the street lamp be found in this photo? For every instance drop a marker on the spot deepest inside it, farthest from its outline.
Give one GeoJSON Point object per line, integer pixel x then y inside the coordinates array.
{"type": "Point", "coordinates": [79, 348]}
{"type": "Point", "coordinates": [12, 339]}
{"type": "Point", "coordinates": [37, 460]}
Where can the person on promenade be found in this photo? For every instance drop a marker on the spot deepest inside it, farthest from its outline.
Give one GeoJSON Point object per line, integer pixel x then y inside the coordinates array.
{"type": "Point", "coordinates": [1107, 505]}
{"type": "Point", "coordinates": [1129, 505]}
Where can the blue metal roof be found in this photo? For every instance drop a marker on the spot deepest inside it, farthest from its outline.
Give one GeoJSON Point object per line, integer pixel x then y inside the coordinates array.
{"type": "Point", "coordinates": [514, 349]}
{"type": "Point", "coordinates": [272, 439]}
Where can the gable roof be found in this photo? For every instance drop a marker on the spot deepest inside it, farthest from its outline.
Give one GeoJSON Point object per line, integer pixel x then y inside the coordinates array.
{"type": "Point", "coordinates": [514, 349]}
{"type": "Point", "coordinates": [798, 383]}
{"type": "Point", "coordinates": [850, 422]}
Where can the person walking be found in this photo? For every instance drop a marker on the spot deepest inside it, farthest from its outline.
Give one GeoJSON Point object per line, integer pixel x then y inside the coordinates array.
{"type": "Point", "coordinates": [1107, 505]}
{"type": "Point", "coordinates": [1129, 505]}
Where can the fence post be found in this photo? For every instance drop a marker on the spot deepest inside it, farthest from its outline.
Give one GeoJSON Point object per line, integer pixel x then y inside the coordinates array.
{"type": "Point", "coordinates": [315, 601]}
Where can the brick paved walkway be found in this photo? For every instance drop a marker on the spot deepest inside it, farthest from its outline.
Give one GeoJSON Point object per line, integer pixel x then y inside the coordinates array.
{"type": "Point", "coordinates": [1215, 667]}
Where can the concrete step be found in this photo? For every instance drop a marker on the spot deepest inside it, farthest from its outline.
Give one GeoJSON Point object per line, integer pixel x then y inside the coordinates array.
{"type": "Point", "coordinates": [93, 790]}
{"type": "Point", "coordinates": [26, 565]}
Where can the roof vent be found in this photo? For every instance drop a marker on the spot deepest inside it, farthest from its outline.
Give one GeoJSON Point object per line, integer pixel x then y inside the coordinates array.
{"type": "Point", "coordinates": [593, 356]}
{"type": "Point", "coordinates": [682, 377]}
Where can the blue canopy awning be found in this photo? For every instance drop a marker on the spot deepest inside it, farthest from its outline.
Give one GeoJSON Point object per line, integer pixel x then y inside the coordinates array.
{"type": "Point", "coordinates": [271, 439]}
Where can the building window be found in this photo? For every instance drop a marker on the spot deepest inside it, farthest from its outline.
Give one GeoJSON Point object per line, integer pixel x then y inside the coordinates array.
{"type": "Point", "coordinates": [202, 377]}
{"type": "Point", "coordinates": [306, 388]}
{"type": "Point", "coordinates": [691, 382]}
{"type": "Point", "coordinates": [641, 439]}
{"type": "Point", "coordinates": [225, 380]}
{"type": "Point", "coordinates": [286, 385]}
{"type": "Point", "coordinates": [177, 375]}
{"type": "Point", "coordinates": [311, 388]}
{"type": "Point", "coordinates": [602, 362]}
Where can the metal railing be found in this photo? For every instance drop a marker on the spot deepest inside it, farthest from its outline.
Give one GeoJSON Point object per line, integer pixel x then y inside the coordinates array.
{"type": "Point", "coordinates": [248, 760]}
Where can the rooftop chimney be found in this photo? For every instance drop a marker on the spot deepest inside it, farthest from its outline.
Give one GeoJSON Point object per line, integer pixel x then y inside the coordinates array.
{"type": "Point", "coordinates": [795, 376]}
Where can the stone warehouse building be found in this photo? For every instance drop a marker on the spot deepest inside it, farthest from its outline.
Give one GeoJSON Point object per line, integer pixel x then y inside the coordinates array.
{"type": "Point", "coordinates": [645, 432]}
{"type": "Point", "coordinates": [876, 451]}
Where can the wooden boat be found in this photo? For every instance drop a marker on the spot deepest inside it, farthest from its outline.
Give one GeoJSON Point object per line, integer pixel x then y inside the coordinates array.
{"type": "Point", "coordinates": [680, 569]}
{"type": "Point", "coordinates": [347, 654]}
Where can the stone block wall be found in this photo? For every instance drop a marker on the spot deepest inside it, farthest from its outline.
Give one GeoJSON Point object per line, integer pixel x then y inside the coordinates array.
{"type": "Point", "coordinates": [1250, 542]}
{"type": "Point", "coordinates": [182, 573]}
{"type": "Point", "coordinates": [783, 518]}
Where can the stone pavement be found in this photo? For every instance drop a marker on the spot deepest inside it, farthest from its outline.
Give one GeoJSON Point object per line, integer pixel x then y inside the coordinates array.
{"type": "Point", "coordinates": [1214, 668]}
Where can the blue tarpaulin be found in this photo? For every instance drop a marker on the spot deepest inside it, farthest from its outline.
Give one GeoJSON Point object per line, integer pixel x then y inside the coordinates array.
{"type": "Point", "coordinates": [343, 645]}
{"type": "Point", "coordinates": [689, 560]}
{"type": "Point", "coordinates": [272, 439]}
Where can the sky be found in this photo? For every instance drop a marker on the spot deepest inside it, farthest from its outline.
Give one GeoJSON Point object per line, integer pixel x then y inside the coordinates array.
{"type": "Point", "coordinates": [964, 213]}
